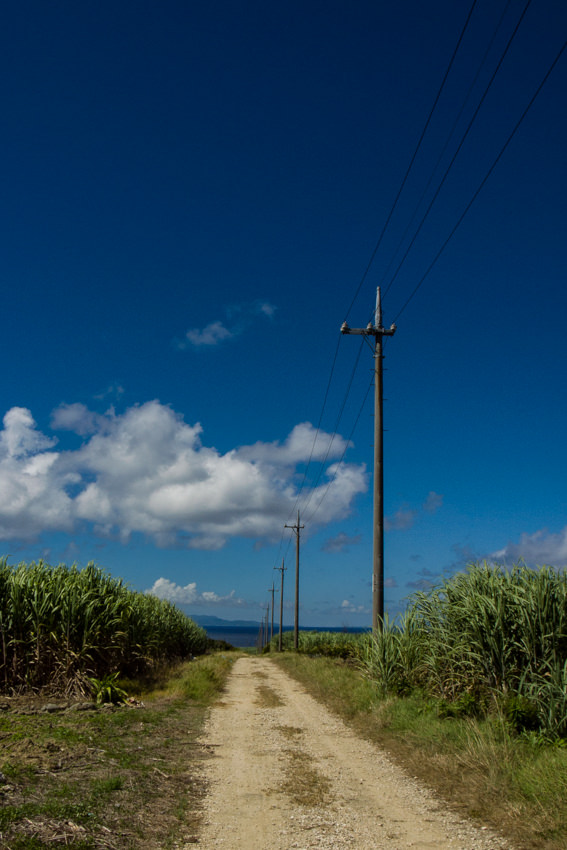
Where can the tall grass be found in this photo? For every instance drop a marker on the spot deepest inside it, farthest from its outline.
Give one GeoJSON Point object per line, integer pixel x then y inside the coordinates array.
{"type": "Point", "coordinates": [489, 637]}
{"type": "Point", "coordinates": [330, 644]}
{"type": "Point", "coordinates": [61, 625]}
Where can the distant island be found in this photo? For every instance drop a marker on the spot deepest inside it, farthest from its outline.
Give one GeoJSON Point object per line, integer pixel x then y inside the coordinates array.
{"type": "Point", "coordinates": [207, 620]}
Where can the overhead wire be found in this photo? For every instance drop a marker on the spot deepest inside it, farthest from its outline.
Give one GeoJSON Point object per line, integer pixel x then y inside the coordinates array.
{"type": "Point", "coordinates": [430, 267]}
{"type": "Point", "coordinates": [335, 429]}
{"type": "Point", "coordinates": [413, 158]}
{"type": "Point", "coordinates": [347, 446]}
{"type": "Point", "coordinates": [317, 430]}
{"type": "Point", "coordinates": [459, 147]}
{"type": "Point", "coordinates": [373, 255]}
{"type": "Point", "coordinates": [484, 180]}
{"type": "Point", "coordinates": [446, 145]}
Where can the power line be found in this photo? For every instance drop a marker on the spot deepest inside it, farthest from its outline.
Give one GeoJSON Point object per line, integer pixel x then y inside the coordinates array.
{"type": "Point", "coordinates": [335, 430]}
{"type": "Point", "coordinates": [486, 177]}
{"type": "Point", "coordinates": [410, 166]}
{"type": "Point", "coordinates": [358, 415]}
{"type": "Point", "coordinates": [300, 489]}
{"type": "Point", "coordinates": [445, 146]}
{"type": "Point", "coordinates": [460, 145]}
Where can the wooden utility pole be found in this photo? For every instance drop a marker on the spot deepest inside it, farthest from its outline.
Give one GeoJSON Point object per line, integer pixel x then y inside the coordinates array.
{"type": "Point", "coordinates": [296, 529]}
{"type": "Point", "coordinates": [282, 570]}
{"type": "Point", "coordinates": [377, 331]}
{"type": "Point", "coordinates": [272, 590]}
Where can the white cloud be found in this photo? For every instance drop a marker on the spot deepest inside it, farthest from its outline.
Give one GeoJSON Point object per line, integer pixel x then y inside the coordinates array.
{"type": "Point", "coordinates": [163, 588]}
{"type": "Point", "coordinates": [341, 542]}
{"type": "Point", "coordinates": [147, 471]}
{"type": "Point", "coordinates": [267, 309]}
{"type": "Point", "coordinates": [433, 502]}
{"type": "Point", "coordinates": [240, 317]}
{"type": "Point", "coordinates": [405, 517]}
{"type": "Point", "coordinates": [27, 498]}
{"type": "Point", "coordinates": [350, 608]}
{"type": "Point", "coordinates": [20, 436]}
{"type": "Point", "coordinates": [537, 549]}
{"type": "Point", "coordinates": [78, 418]}
{"type": "Point", "coordinates": [303, 442]}
{"type": "Point", "coordinates": [212, 334]}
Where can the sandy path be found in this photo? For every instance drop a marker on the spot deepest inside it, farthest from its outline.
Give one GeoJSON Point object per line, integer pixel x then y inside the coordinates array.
{"type": "Point", "coordinates": [285, 773]}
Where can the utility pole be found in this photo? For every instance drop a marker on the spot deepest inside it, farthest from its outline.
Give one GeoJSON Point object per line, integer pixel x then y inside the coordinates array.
{"type": "Point", "coordinates": [260, 639]}
{"type": "Point", "coordinates": [377, 331]}
{"type": "Point", "coordinates": [282, 570]}
{"type": "Point", "coordinates": [272, 590]}
{"type": "Point", "coordinates": [296, 528]}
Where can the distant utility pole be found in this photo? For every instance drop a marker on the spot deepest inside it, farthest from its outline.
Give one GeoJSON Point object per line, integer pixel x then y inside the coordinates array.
{"type": "Point", "coordinates": [282, 569]}
{"type": "Point", "coordinates": [272, 590]}
{"type": "Point", "coordinates": [296, 528]}
{"type": "Point", "coordinates": [377, 331]}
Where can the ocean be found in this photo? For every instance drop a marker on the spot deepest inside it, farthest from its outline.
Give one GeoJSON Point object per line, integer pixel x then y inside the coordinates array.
{"type": "Point", "coordinates": [245, 636]}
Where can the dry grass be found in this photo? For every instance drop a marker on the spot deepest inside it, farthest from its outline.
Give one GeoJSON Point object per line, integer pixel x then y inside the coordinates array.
{"type": "Point", "coordinates": [303, 783]}
{"type": "Point", "coordinates": [115, 779]}
{"type": "Point", "coordinates": [509, 782]}
{"type": "Point", "coordinates": [267, 698]}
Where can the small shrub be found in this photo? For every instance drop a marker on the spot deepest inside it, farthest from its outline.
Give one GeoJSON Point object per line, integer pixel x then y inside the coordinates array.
{"type": "Point", "coordinates": [106, 690]}
{"type": "Point", "coordinates": [521, 713]}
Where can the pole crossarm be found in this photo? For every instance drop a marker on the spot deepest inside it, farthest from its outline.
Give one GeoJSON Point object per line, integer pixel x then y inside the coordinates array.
{"type": "Point", "coordinates": [369, 330]}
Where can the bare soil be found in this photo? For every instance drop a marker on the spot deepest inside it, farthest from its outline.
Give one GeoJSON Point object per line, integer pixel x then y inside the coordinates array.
{"type": "Point", "coordinates": [285, 773]}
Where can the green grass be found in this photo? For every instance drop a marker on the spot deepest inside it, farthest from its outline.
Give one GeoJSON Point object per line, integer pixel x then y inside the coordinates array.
{"type": "Point", "coordinates": [107, 786]}
{"type": "Point", "coordinates": [202, 679]}
{"type": "Point", "coordinates": [77, 629]}
{"type": "Point", "coordinates": [120, 777]}
{"type": "Point", "coordinates": [480, 765]}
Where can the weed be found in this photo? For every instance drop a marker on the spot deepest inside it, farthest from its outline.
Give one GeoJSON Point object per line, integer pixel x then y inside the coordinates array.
{"type": "Point", "coordinates": [107, 786]}
{"type": "Point", "coordinates": [517, 782]}
{"type": "Point", "coordinates": [107, 690]}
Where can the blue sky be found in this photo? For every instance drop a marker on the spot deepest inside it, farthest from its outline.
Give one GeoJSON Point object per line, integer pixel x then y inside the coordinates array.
{"type": "Point", "coordinates": [191, 196]}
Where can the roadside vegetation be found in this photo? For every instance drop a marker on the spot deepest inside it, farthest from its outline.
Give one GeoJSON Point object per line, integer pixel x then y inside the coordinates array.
{"type": "Point", "coordinates": [101, 704]}
{"type": "Point", "coordinates": [75, 629]}
{"type": "Point", "coordinates": [110, 777]}
{"type": "Point", "coordinates": [468, 690]}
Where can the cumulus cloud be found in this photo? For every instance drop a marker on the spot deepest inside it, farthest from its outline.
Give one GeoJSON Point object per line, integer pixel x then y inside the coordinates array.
{"type": "Point", "coordinates": [401, 520]}
{"type": "Point", "coordinates": [303, 443]}
{"type": "Point", "coordinates": [348, 607]}
{"type": "Point", "coordinates": [433, 502]}
{"type": "Point", "coordinates": [20, 437]}
{"type": "Point", "coordinates": [420, 584]}
{"type": "Point", "coordinates": [537, 549]}
{"type": "Point", "coordinates": [212, 334]}
{"type": "Point", "coordinates": [240, 317]}
{"type": "Point", "coordinates": [77, 418]}
{"type": "Point", "coordinates": [163, 588]}
{"type": "Point", "coordinates": [148, 471]}
{"type": "Point", "coordinates": [341, 542]}
{"type": "Point", "coordinates": [27, 473]}
{"type": "Point", "coordinates": [405, 517]}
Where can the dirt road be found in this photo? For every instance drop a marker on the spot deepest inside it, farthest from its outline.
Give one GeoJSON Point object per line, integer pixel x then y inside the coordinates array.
{"type": "Point", "coordinates": [285, 773]}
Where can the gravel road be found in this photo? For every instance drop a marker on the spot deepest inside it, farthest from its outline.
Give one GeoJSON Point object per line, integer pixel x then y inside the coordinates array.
{"type": "Point", "coordinates": [285, 773]}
